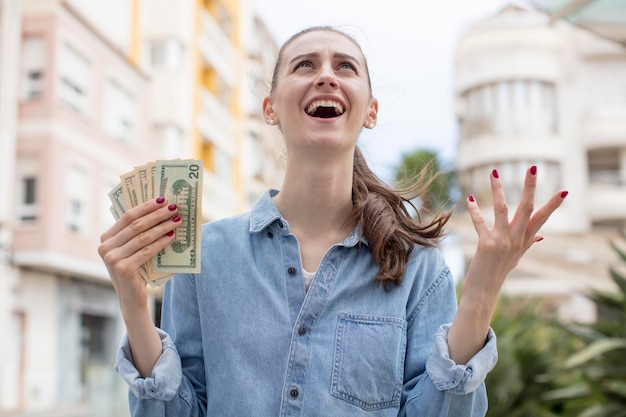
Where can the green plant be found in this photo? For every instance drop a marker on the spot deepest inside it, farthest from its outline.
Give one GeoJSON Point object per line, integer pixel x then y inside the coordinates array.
{"type": "Point", "coordinates": [530, 347]}
{"type": "Point", "coordinates": [602, 361]}
{"type": "Point", "coordinates": [424, 164]}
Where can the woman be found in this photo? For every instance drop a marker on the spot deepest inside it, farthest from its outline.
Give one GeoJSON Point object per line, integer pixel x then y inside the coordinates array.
{"type": "Point", "coordinates": [327, 299]}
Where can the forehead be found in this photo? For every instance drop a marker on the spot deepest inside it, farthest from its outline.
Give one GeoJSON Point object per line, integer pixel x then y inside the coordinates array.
{"type": "Point", "coordinates": [321, 41]}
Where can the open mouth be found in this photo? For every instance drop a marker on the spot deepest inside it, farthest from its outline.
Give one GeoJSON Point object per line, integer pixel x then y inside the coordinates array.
{"type": "Point", "coordinates": [325, 109]}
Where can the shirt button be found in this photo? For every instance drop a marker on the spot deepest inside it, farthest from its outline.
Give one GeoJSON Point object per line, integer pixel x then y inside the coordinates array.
{"type": "Point", "coordinates": [294, 393]}
{"type": "Point", "coordinates": [291, 270]}
{"type": "Point", "coordinates": [302, 330]}
{"type": "Point", "coordinates": [270, 235]}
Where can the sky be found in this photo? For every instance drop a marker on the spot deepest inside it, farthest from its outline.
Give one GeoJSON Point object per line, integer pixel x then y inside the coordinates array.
{"type": "Point", "coordinates": [410, 50]}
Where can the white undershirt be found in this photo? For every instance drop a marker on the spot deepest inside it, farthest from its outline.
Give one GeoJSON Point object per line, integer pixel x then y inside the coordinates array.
{"type": "Point", "coordinates": [308, 278]}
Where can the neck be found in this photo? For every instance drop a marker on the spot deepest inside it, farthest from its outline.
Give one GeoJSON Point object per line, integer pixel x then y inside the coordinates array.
{"type": "Point", "coordinates": [316, 198]}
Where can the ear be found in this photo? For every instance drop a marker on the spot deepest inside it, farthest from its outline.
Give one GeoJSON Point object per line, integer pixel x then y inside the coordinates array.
{"type": "Point", "coordinates": [268, 111]}
{"type": "Point", "coordinates": [372, 114]}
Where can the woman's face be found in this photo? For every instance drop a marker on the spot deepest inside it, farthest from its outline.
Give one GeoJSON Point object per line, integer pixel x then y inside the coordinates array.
{"type": "Point", "coordinates": [322, 97]}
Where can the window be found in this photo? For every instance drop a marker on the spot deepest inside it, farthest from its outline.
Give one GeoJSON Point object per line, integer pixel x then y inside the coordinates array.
{"type": "Point", "coordinates": [158, 54]}
{"type": "Point", "coordinates": [165, 54]}
{"type": "Point", "coordinates": [512, 107]}
{"type": "Point", "coordinates": [74, 73]}
{"type": "Point", "coordinates": [27, 190]}
{"type": "Point", "coordinates": [95, 334]}
{"type": "Point", "coordinates": [77, 210]}
{"type": "Point", "coordinates": [32, 68]}
{"type": "Point", "coordinates": [119, 112]}
{"type": "Point", "coordinates": [604, 166]}
{"type": "Point", "coordinates": [28, 206]}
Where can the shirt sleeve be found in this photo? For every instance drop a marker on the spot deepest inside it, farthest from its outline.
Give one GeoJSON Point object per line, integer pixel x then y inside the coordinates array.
{"type": "Point", "coordinates": [460, 379]}
{"type": "Point", "coordinates": [166, 374]}
{"type": "Point", "coordinates": [434, 385]}
{"type": "Point", "coordinates": [176, 387]}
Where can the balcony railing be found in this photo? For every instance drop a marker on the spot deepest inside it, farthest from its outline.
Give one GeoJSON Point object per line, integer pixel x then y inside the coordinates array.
{"type": "Point", "coordinates": [611, 178]}
{"type": "Point", "coordinates": [217, 48]}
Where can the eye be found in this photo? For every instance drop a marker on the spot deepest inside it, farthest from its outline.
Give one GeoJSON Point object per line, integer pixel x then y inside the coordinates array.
{"type": "Point", "coordinates": [347, 65]}
{"type": "Point", "coordinates": [303, 64]}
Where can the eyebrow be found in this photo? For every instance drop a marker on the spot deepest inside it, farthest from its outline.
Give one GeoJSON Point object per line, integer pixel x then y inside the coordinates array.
{"type": "Point", "coordinates": [336, 55]}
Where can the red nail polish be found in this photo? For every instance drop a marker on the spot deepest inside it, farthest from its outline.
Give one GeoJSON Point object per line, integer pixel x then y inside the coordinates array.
{"type": "Point", "coordinates": [172, 207]}
{"type": "Point", "coordinates": [564, 194]}
{"type": "Point", "coordinates": [495, 173]}
{"type": "Point", "coordinates": [170, 233]}
{"type": "Point", "coordinates": [160, 200]}
{"type": "Point", "coordinates": [471, 198]}
{"type": "Point", "coordinates": [533, 170]}
{"type": "Point", "coordinates": [540, 239]}
{"type": "Point", "coordinates": [176, 218]}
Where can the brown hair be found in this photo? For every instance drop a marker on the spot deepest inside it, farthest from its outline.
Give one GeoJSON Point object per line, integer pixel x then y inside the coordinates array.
{"type": "Point", "coordinates": [382, 212]}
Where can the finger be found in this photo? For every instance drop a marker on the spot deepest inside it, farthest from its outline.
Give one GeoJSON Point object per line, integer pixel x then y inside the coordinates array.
{"type": "Point", "coordinates": [130, 215]}
{"type": "Point", "coordinates": [137, 221]}
{"type": "Point", "coordinates": [127, 258]}
{"type": "Point", "coordinates": [500, 209]}
{"type": "Point", "coordinates": [137, 252]}
{"type": "Point", "coordinates": [478, 221]}
{"type": "Point", "coordinates": [147, 238]}
{"type": "Point", "coordinates": [527, 202]}
{"type": "Point", "coordinates": [542, 215]}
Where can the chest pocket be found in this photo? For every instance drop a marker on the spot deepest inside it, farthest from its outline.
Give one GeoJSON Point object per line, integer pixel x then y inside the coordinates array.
{"type": "Point", "coordinates": [368, 365]}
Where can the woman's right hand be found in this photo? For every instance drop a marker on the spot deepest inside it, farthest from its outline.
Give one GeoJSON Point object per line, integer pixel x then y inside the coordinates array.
{"type": "Point", "coordinates": [134, 239]}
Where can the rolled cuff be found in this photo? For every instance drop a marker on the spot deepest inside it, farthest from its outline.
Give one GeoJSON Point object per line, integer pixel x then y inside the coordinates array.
{"type": "Point", "coordinates": [166, 375]}
{"type": "Point", "coordinates": [449, 376]}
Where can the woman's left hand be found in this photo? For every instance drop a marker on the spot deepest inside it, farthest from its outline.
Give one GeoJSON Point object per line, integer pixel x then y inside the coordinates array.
{"type": "Point", "coordinates": [499, 250]}
{"type": "Point", "coordinates": [501, 247]}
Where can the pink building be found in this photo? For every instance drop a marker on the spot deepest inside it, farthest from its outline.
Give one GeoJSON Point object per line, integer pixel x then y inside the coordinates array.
{"type": "Point", "coordinates": [81, 122]}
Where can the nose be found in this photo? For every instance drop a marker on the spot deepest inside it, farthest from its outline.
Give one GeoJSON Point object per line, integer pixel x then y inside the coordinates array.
{"type": "Point", "coordinates": [327, 77]}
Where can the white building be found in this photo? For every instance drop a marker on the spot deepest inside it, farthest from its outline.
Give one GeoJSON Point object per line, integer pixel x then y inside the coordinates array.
{"type": "Point", "coordinates": [534, 90]}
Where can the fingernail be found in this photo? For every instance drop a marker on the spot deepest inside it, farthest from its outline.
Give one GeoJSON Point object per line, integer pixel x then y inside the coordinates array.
{"type": "Point", "coordinates": [564, 194]}
{"type": "Point", "coordinates": [172, 207]}
{"type": "Point", "coordinates": [170, 233]}
{"type": "Point", "coordinates": [540, 239]}
{"type": "Point", "coordinates": [160, 200]}
{"type": "Point", "coordinates": [471, 198]}
{"type": "Point", "coordinates": [176, 218]}
{"type": "Point", "coordinates": [495, 173]}
{"type": "Point", "coordinates": [533, 170]}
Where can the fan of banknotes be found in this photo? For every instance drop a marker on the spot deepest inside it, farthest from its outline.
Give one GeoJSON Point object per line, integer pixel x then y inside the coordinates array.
{"type": "Point", "coordinates": [180, 182]}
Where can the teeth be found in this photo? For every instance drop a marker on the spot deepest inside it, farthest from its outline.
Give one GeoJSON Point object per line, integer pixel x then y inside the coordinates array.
{"type": "Point", "coordinates": [325, 103]}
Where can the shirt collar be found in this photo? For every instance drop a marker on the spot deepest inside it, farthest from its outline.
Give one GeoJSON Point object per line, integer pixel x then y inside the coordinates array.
{"type": "Point", "coordinates": [265, 212]}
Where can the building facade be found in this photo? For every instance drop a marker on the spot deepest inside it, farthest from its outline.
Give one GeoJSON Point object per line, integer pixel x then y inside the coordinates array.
{"type": "Point", "coordinates": [530, 90]}
{"type": "Point", "coordinates": [88, 90]}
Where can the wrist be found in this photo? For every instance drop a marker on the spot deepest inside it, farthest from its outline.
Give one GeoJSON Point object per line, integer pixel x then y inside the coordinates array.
{"type": "Point", "coordinates": [135, 314]}
{"type": "Point", "coordinates": [479, 305]}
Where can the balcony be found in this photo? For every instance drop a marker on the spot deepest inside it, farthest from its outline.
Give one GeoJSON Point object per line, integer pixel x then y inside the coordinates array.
{"type": "Point", "coordinates": [604, 126]}
{"type": "Point", "coordinates": [216, 123]}
{"type": "Point", "coordinates": [217, 49]}
{"type": "Point", "coordinates": [607, 197]}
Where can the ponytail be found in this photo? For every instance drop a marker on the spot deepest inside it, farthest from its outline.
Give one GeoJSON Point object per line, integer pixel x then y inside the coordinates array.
{"type": "Point", "coordinates": [390, 230]}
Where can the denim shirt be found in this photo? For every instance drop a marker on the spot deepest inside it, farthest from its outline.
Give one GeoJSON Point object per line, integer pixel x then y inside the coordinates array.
{"type": "Point", "coordinates": [244, 338]}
